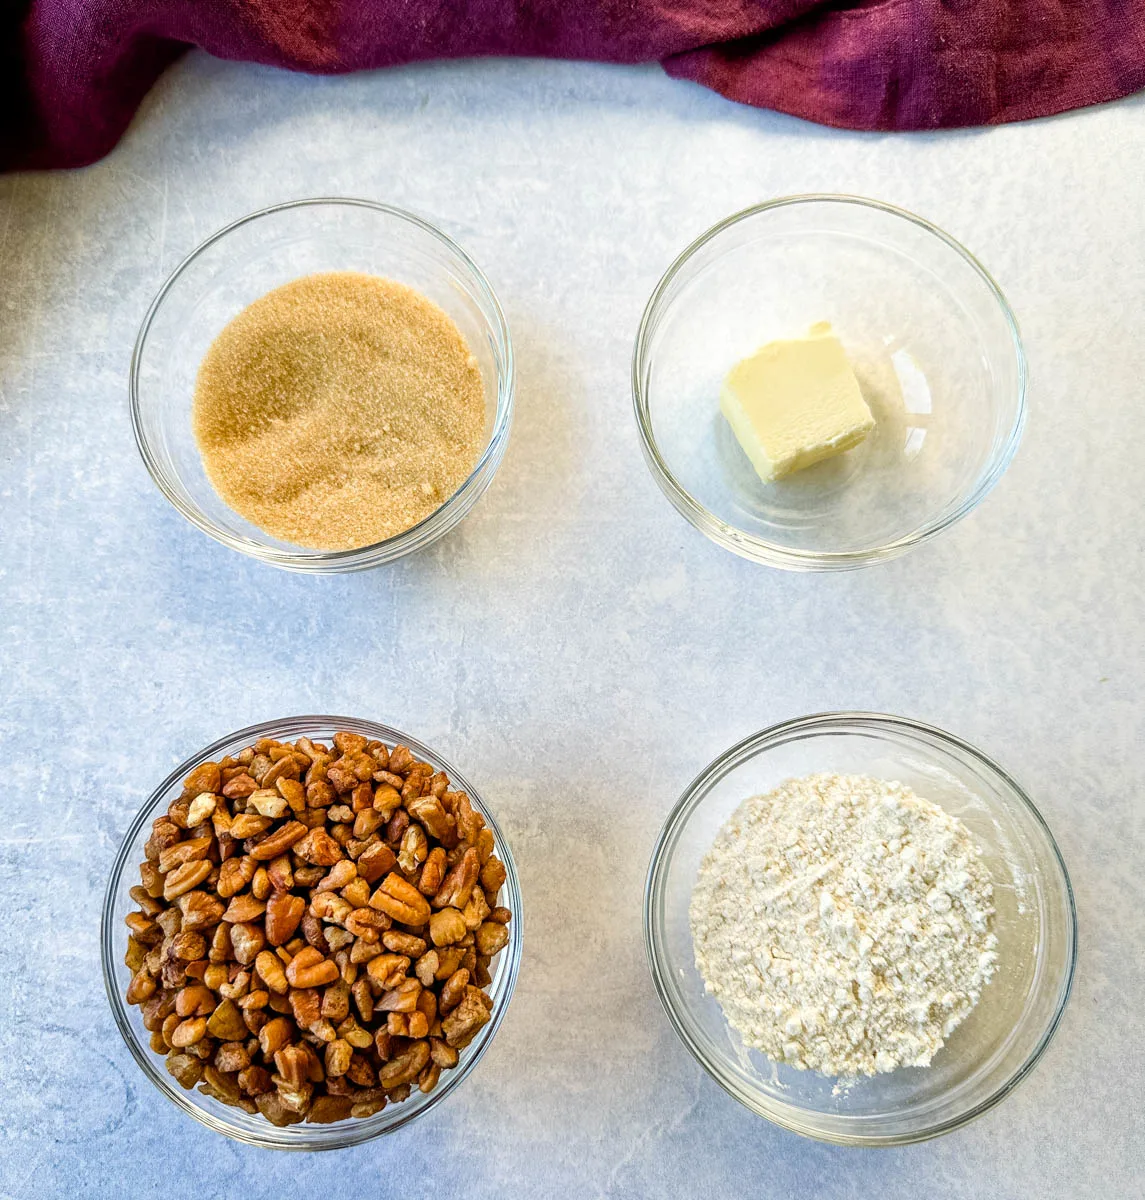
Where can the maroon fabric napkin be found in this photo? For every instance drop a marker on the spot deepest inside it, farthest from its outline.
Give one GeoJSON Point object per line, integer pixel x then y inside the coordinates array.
{"type": "Point", "coordinates": [73, 71]}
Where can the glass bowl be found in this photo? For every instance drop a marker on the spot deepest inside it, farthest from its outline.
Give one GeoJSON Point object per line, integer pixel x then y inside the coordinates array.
{"type": "Point", "coordinates": [244, 261]}
{"type": "Point", "coordinates": [931, 338]}
{"type": "Point", "coordinates": [234, 1122]}
{"type": "Point", "coordinates": [999, 1042]}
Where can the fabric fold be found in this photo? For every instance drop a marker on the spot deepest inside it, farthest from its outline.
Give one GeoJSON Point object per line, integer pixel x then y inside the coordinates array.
{"type": "Point", "coordinates": [72, 72]}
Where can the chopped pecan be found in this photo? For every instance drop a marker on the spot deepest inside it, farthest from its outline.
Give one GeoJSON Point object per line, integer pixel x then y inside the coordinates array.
{"type": "Point", "coordinates": [283, 913]}
{"type": "Point", "coordinates": [319, 848]}
{"type": "Point", "coordinates": [403, 943]}
{"type": "Point", "coordinates": [244, 907]}
{"type": "Point", "coordinates": [375, 861]}
{"type": "Point", "coordinates": [278, 841]}
{"type": "Point", "coordinates": [247, 939]}
{"type": "Point", "coordinates": [461, 1025]}
{"type": "Point", "coordinates": [308, 969]}
{"type": "Point", "coordinates": [239, 787]}
{"type": "Point", "coordinates": [263, 895]}
{"type": "Point", "coordinates": [186, 1069]}
{"type": "Point", "coordinates": [206, 777]}
{"type": "Point", "coordinates": [458, 884]}
{"type": "Point", "coordinates": [399, 899]}
{"type": "Point", "coordinates": [184, 878]}
{"type": "Point", "coordinates": [327, 1109]}
{"type": "Point", "coordinates": [386, 970]}
{"type": "Point", "coordinates": [493, 875]}
{"type": "Point", "coordinates": [202, 807]}
{"type": "Point", "coordinates": [306, 1007]}
{"type": "Point", "coordinates": [446, 927]}
{"type": "Point", "coordinates": [234, 875]}
{"type": "Point", "coordinates": [271, 972]}
{"type": "Point", "coordinates": [339, 875]}
{"type": "Point", "coordinates": [454, 990]}
{"type": "Point", "coordinates": [491, 937]}
{"type": "Point", "coordinates": [406, 1067]}
{"type": "Point", "coordinates": [249, 825]}
{"type": "Point", "coordinates": [439, 823]}
{"type": "Point", "coordinates": [267, 803]}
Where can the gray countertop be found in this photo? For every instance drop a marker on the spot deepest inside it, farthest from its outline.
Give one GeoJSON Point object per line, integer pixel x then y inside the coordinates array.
{"type": "Point", "coordinates": [574, 647]}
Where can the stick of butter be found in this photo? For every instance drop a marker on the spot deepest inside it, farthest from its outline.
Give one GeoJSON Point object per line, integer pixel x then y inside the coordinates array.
{"type": "Point", "coordinates": [794, 403]}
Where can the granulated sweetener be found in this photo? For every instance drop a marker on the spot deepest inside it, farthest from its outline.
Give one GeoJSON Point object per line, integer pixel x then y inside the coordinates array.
{"type": "Point", "coordinates": [339, 410]}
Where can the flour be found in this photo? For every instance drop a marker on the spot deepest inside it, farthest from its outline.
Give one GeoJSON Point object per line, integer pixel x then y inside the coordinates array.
{"type": "Point", "coordinates": [843, 923]}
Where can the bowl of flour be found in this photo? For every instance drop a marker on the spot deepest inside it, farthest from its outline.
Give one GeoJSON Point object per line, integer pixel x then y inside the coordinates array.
{"type": "Point", "coordinates": [861, 927]}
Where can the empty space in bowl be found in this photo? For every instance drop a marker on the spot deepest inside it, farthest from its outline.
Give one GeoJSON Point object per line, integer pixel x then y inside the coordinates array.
{"type": "Point", "coordinates": [1033, 922]}
{"type": "Point", "coordinates": [252, 258]}
{"type": "Point", "coordinates": [927, 335]}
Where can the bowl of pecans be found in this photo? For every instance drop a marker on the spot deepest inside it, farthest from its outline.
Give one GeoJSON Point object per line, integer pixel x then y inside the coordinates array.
{"type": "Point", "coordinates": [311, 933]}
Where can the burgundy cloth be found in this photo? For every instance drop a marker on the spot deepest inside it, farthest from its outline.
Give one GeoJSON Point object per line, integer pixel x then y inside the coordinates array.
{"type": "Point", "coordinates": [73, 71]}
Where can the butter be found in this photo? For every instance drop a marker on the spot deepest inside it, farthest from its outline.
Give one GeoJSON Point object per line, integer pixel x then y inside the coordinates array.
{"type": "Point", "coordinates": [795, 402]}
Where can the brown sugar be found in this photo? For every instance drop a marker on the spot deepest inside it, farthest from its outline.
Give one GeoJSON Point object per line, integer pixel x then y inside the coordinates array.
{"type": "Point", "coordinates": [339, 410]}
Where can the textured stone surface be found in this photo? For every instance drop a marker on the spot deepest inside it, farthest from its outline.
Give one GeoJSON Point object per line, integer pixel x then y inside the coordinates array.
{"type": "Point", "coordinates": [574, 646]}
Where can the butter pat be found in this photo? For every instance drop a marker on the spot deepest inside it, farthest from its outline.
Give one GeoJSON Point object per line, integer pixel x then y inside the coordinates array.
{"type": "Point", "coordinates": [795, 402]}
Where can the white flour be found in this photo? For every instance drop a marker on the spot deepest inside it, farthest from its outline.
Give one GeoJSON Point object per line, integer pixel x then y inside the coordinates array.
{"type": "Point", "coordinates": [843, 923]}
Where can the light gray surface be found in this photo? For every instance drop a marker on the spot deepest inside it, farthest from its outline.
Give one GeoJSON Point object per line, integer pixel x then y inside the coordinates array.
{"type": "Point", "coordinates": [575, 647]}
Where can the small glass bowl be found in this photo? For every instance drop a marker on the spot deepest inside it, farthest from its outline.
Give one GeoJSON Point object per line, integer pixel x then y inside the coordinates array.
{"type": "Point", "coordinates": [244, 261]}
{"type": "Point", "coordinates": [234, 1122]}
{"type": "Point", "coordinates": [999, 1042]}
{"type": "Point", "coordinates": [932, 341]}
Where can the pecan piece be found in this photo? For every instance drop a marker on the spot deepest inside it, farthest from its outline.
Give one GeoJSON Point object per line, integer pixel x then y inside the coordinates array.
{"type": "Point", "coordinates": [339, 875]}
{"type": "Point", "coordinates": [244, 907]}
{"type": "Point", "coordinates": [280, 874]}
{"type": "Point", "coordinates": [206, 777]}
{"type": "Point", "coordinates": [274, 1035]}
{"type": "Point", "coordinates": [226, 1022]}
{"type": "Point", "coordinates": [406, 1067]}
{"type": "Point", "coordinates": [267, 803]}
{"type": "Point", "coordinates": [247, 939]}
{"type": "Point", "coordinates": [318, 847]}
{"type": "Point", "coordinates": [327, 1109]}
{"type": "Point", "coordinates": [249, 825]}
{"type": "Point", "coordinates": [202, 807]}
{"type": "Point", "coordinates": [329, 906]}
{"type": "Point", "coordinates": [458, 884]}
{"type": "Point", "coordinates": [275, 1110]}
{"type": "Point", "coordinates": [308, 969]}
{"type": "Point", "coordinates": [375, 861]}
{"type": "Point", "coordinates": [433, 873]}
{"type": "Point", "coordinates": [283, 913]}
{"type": "Point", "coordinates": [239, 787]}
{"type": "Point", "coordinates": [414, 849]}
{"type": "Point", "coordinates": [350, 743]}
{"type": "Point", "coordinates": [490, 938]}
{"type": "Point", "coordinates": [454, 990]}
{"type": "Point", "coordinates": [183, 879]}
{"type": "Point", "coordinates": [401, 999]}
{"type": "Point", "coordinates": [404, 943]}
{"type": "Point", "coordinates": [447, 927]}
{"type": "Point", "coordinates": [278, 841]}
{"type": "Point", "coordinates": [461, 1025]}
{"type": "Point", "coordinates": [399, 899]}
{"type": "Point", "coordinates": [234, 875]}
{"type": "Point", "coordinates": [493, 875]}
{"type": "Point", "coordinates": [439, 823]}
{"type": "Point", "coordinates": [271, 972]}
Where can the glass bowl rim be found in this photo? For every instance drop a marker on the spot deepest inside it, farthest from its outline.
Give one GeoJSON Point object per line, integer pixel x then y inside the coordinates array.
{"type": "Point", "coordinates": [443, 518]}
{"type": "Point", "coordinates": [302, 1137]}
{"type": "Point", "coordinates": [694, 794]}
{"type": "Point", "coordinates": [759, 549]}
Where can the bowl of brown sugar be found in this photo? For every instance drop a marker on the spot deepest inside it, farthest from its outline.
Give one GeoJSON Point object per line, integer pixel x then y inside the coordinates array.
{"type": "Point", "coordinates": [325, 385]}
